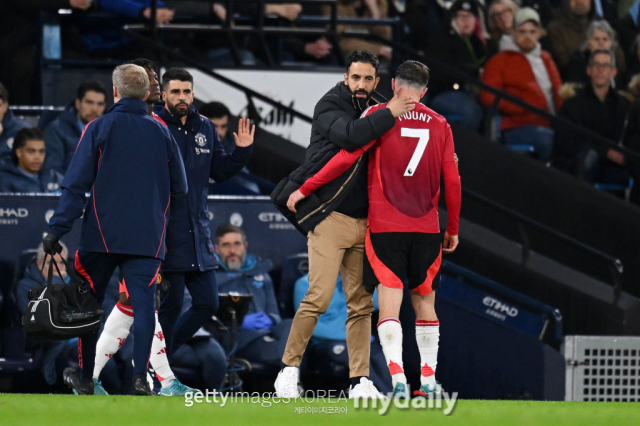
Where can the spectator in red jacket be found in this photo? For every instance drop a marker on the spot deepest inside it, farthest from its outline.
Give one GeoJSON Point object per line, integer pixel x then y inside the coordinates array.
{"type": "Point", "coordinates": [524, 70]}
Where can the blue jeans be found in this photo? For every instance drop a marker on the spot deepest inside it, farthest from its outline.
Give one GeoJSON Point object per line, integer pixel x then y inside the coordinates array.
{"type": "Point", "coordinates": [541, 138]}
{"type": "Point", "coordinates": [460, 105]}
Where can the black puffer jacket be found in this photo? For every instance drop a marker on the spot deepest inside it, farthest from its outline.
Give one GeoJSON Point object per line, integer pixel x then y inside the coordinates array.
{"type": "Point", "coordinates": [335, 126]}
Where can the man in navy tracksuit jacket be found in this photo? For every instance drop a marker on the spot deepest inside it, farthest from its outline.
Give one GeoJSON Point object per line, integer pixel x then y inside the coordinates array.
{"type": "Point", "coordinates": [190, 258]}
{"type": "Point", "coordinates": [133, 168]}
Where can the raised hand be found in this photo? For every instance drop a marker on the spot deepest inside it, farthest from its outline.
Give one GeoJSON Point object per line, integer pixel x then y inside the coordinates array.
{"type": "Point", "coordinates": [244, 137]}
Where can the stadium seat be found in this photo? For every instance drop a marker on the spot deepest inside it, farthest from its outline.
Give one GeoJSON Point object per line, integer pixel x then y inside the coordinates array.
{"type": "Point", "coordinates": [524, 148]}
{"type": "Point", "coordinates": [616, 188]}
{"type": "Point", "coordinates": [46, 117]}
{"type": "Point", "coordinates": [14, 357]}
{"type": "Point", "coordinates": [292, 268]}
{"type": "Point", "coordinates": [21, 264]}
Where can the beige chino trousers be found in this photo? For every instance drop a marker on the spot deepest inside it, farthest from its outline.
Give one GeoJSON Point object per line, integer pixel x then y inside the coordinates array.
{"type": "Point", "coordinates": [335, 245]}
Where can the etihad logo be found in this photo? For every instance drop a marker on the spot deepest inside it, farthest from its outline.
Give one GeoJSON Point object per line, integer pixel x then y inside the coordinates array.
{"type": "Point", "coordinates": [500, 307]}
{"type": "Point", "coordinates": [272, 217]}
{"type": "Point", "coordinates": [19, 212]}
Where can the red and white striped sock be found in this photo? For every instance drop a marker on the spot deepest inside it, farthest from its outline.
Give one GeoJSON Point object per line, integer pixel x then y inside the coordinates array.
{"type": "Point", "coordinates": [427, 336]}
{"type": "Point", "coordinates": [158, 359]}
{"type": "Point", "coordinates": [390, 334]}
{"type": "Point", "coordinates": [116, 330]}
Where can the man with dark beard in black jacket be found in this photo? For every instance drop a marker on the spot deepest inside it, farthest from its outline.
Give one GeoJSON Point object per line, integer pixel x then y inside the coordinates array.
{"type": "Point", "coordinates": [334, 219]}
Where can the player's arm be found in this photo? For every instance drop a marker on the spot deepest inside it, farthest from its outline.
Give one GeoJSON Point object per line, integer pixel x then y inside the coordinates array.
{"type": "Point", "coordinates": [225, 166]}
{"type": "Point", "coordinates": [452, 192]}
{"type": "Point", "coordinates": [77, 182]}
{"type": "Point", "coordinates": [337, 126]}
{"type": "Point", "coordinates": [339, 164]}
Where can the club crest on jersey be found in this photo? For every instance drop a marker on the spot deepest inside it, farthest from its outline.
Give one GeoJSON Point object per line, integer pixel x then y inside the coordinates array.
{"type": "Point", "coordinates": [201, 139]}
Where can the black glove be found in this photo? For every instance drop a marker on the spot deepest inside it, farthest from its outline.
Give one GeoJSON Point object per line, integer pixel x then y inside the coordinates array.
{"type": "Point", "coordinates": [51, 245]}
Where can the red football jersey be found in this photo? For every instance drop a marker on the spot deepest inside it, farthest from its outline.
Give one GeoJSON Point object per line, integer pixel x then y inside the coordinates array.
{"type": "Point", "coordinates": [405, 166]}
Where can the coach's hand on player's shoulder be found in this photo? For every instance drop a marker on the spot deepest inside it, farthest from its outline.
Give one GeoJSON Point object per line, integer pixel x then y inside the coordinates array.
{"type": "Point", "coordinates": [244, 137]}
{"type": "Point", "coordinates": [450, 243]}
{"type": "Point", "coordinates": [294, 199]}
{"type": "Point", "coordinates": [399, 106]}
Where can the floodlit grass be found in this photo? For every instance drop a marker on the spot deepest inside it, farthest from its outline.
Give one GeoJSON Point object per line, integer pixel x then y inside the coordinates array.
{"type": "Point", "coordinates": [71, 410]}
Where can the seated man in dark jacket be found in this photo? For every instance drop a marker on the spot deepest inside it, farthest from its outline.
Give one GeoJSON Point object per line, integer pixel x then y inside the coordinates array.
{"type": "Point", "coordinates": [599, 108]}
{"type": "Point", "coordinates": [26, 172]}
{"type": "Point", "coordinates": [263, 334]}
{"type": "Point", "coordinates": [458, 46]}
{"type": "Point", "coordinates": [64, 132]}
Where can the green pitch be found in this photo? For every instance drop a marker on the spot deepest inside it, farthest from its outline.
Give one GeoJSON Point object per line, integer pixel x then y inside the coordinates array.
{"type": "Point", "coordinates": [70, 410]}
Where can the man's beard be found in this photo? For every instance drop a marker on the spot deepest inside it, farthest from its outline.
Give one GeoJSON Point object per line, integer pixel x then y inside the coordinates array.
{"type": "Point", "coordinates": [173, 109]}
{"type": "Point", "coordinates": [360, 103]}
{"type": "Point", "coordinates": [88, 119]}
{"type": "Point", "coordinates": [235, 265]}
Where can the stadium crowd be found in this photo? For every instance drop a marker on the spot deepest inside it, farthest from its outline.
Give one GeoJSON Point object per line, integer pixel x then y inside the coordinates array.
{"type": "Point", "coordinates": [550, 42]}
{"type": "Point", "coordinates": [575, 59]}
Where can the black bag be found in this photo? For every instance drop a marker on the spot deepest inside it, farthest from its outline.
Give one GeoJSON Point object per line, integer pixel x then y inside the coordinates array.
{"type": "Point", "coordinates": [61, 311]}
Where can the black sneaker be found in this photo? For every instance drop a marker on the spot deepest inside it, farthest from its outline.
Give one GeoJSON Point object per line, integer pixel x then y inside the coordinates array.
{"type": "Point", "coordinates": [78, 384]}
{"type": "Point", "coordinates": [141, 387]}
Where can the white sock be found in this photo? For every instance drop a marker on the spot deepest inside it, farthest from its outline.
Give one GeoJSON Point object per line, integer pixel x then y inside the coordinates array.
{"type": "Point", "coordinates": [427, 336]}
{"type": "Point", "coordinates": [158, 358]}
{"type": "Point", "coordinates": [116, 330]}
{"type": "Point", "coordinates": [390, 334]}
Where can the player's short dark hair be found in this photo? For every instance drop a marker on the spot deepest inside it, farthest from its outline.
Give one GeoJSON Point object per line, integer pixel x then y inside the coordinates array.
{"type": "Point", "coordinates": [179, 74]}
{"type": "Point", "coordinates": [228, 228]}
{"type": "Point", "coordinates": [413, 72]}
{"type": "Point", "coordinates": [90, 86]}
{"type": "Point", "coordinates": [21, 138]}
{"type": "Point", "coordinates": [365, 56]}
{"type": "Point", "coordinates": [4, 94]}
{"type": "Point", "coordinates": [144, 63]}
{"type": "Point", "coordinates": [214, 110]}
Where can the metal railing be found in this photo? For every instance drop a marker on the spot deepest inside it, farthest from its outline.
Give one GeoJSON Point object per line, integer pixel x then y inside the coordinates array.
{"type": "Point", "coordinates": [615, 265]}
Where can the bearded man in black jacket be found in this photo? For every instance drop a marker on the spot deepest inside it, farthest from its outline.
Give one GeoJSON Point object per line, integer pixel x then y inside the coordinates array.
{"type": "Point", "coordinates": [334, 218]}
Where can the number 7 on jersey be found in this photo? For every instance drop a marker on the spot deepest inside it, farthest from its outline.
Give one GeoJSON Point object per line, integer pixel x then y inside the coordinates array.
{"type": "Point", "coordinates": [423, 135]}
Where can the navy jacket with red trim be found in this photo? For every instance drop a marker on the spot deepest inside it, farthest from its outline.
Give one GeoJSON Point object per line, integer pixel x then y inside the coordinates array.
{"type": "Point", "coordinates": [189, 245]}
{"type": "Point", "coordinates": [132, 166]}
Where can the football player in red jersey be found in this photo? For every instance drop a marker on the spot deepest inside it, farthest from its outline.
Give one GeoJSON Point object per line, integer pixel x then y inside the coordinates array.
{"type": "Point", "coordinates": [403, 237]}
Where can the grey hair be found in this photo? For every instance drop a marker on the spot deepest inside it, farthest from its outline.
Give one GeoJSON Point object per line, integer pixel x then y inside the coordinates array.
{"type": "Point", "coordinates": [604, 52]}
{"type": "Point", "coordinates": [599, 26]}
{"type": "Point", "coordinates": [131, 81]}
{"type": "Point", "coordinates": [40, 252]}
